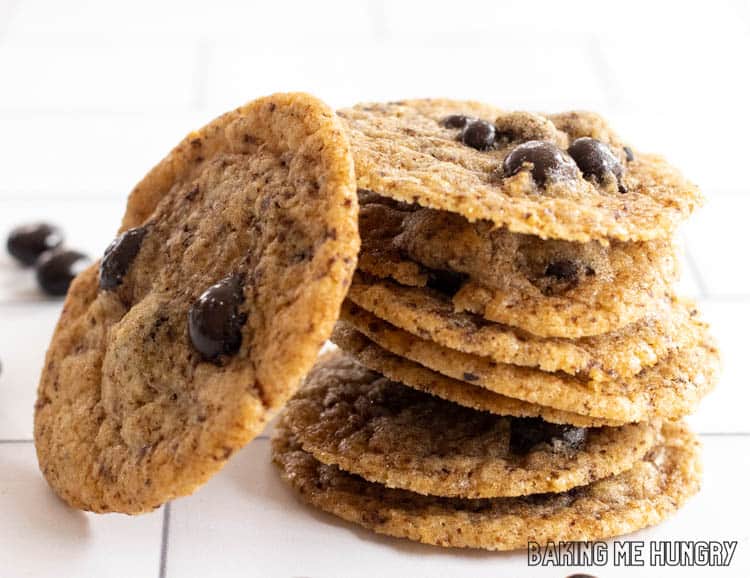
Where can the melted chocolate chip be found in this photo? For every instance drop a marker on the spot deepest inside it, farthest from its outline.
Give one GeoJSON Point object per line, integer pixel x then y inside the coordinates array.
{"type": "Point", "coordinates": [479, 134]}
{"type": "Point", "coordinates": [214, 321]}
{"type": "Point", "coordinates": [56, 269]}
{"type": "Point", "coordinates": [456, 121]}
{"type": "Point", "coordinates": [595, 159]}
{"type": "Point", "coordinates": [548, 162]}
{"type": "Point", "coordinates": [564, 270]}
{"type": "Point", "coordinates": [527, 432]}
{"type": "Point", "coordinates": [118, 257]}
{"type": "Point", "coordinates": [27, 242]}
{"type": "Point", "coordinates": [446, 282]}
{"type": "Point", "coordinates": [629, 155]}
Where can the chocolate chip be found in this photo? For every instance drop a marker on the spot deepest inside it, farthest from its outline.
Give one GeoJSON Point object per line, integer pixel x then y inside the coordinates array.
{"type": "Point", "coordinates": [478, 134]}
{"type": "Point", "coordinates": [456, 121]}
{"type": "Point", "coordinates": [56, 269]}
{"type": "Point", "coordinates": [548, 162]}
{"type": "Point", "coordinates": [595, 159]}
{"type": "Point", "coordinates": [565, 270]}
{"type": "Point", "coordinates": [118, 257]}
{"type": "Point", "coordinates": [470, 376]}
{"type": "Point", "coordinates": [27, 242]}
{"type": "Point", "coordinates": [629, 156]}
{"type": "Point", "coordinates": [526, 433]}
{"type": "Point", "coordinates": [446, 282]}
{"type": "Point", "coordinates": [214, 320]}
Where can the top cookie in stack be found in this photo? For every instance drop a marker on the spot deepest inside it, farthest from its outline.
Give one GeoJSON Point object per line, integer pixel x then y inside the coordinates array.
{"type": "Point", "coordinates": [528, 254]}
{"type": "Point", "coordinates": [522, 266]}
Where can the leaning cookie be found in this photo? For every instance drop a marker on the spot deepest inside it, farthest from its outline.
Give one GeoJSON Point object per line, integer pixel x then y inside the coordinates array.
{"type": "Point", "coordinates": [356, 419]}
{"type": "Point", "coordinates": [654, 488]}
{"type": "Point", "coordinates": [670, 389]}
{"type": "Point", "coordinates": [565, 176]}
{"type": "Point", "coordinates": [203, 315]}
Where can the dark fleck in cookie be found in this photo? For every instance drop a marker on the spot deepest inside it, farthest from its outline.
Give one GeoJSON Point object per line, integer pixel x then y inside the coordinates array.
{"type": "Point", "coordinates": [204, 314]}
{"type": "Point", "coordinates": [621, 354]}
{"type": "Point", "coordinates": [670, 389]}
{"type": "Point", "coordinates": [529, 173]}
{"type": "Point", "coordinates": [654, 488]}
{"type": "Point", "coordinates": [356, 419]}
{"type": "Point", "coordinates": [548, 288]}
{"type": "Point", "coordinates": [464, 393]}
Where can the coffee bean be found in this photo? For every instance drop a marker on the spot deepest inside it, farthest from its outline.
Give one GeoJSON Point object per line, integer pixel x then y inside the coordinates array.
{"type": "Point", "coordinates": [456, 121]}
{"type": "Point", "coordinates": [118, 256]}
{"type": "Point", "coordinates": [548, 162]}
{"type": "Point", "coordinates": [594, 158]}
{"type": "Point", "coordinates": [478, 134]}
{"type": "Point", "coordinates": [214, 321]}
{"type": "Point", "coordinates": [446, 282]}
{"type": "Point", "coordinates": [56, 269]}
{"type": "Point", "coordinates": [565, 270]}
{"type": "Point", "coordinates": [27, 242]}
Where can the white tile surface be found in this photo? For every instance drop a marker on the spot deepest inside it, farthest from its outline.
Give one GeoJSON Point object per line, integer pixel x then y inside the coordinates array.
{"type": "Point", "coordinates": [724, 410]}
{"type": "Point", "coordinates": [23, 343]}
{"type": "Point", "coordinates": [66, 155]}
{"type": "Point", "coordinates": [716, 240]}
{"type": "Point", "coordinates": [41, 536]}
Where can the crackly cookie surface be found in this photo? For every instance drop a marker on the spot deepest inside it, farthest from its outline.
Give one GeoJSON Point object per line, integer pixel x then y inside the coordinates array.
{"type": "Point", "coordinates": [562, 176]}
{"type": "Point", "coordinates": [670, 389]}
{"type": "Point", "coordinates": [621, 354]}
{"type": "Point", "coordinates": [407, 372]}
{"type": "Point", "coordinates": [548, 288]}
{"type": "Point", "coordinates": [654, 488]}
{"type": "Point", "coordinates": [237, 250]}
{"type": "Point", "coordinates": [356, 419]}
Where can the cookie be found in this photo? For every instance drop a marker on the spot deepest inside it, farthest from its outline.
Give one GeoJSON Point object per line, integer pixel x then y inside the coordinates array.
{"type": "Point", "coordinates": [204, 314]}
{"type": "Point", "coordinates": [670, 389]}
{"type": "Point", "coordinates": [621, 354]}
{"type": "Point", "coordinates": [358, 420]}
{"type": "Point", "coordinates": [651, 490]}
{"type": "Point", "coordinates": [565, 176]}
{"type": "Point", "coordinates": [547, 288]}
{"type": "Point", "coordinates": [400, 369]}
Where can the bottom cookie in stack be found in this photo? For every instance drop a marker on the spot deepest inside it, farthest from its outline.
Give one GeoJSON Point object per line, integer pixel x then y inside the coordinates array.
{"type": "Point", "coordinates": [404, 463]}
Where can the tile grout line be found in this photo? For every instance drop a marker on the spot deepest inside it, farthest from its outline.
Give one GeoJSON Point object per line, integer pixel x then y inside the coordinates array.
{"type": "Point", "coordinates": [17, 441]}
{"type": "Point", "coordinates": [164, 540]}
{"type": "Point", "coordinates": [692, 265]}
{"type": "Point", "coordinates": [604, 73]}
{"type": "Point", "coordinates": [10, 13]}
{"type": "Point", "coordinates": [378, 19]}
{"type": "Point", "coordinates": [201, 68]}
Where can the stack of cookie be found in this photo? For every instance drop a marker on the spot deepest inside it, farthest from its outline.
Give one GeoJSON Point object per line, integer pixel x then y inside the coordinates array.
{"type": "Point", "coordinates": [515, 361]}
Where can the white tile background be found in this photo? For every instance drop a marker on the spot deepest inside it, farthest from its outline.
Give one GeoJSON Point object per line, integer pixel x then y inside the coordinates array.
{"type": "Point", "coordinates": [94, 93]}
